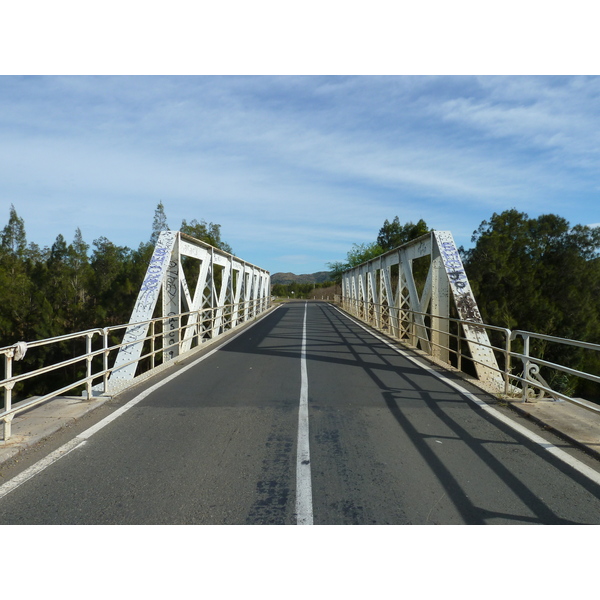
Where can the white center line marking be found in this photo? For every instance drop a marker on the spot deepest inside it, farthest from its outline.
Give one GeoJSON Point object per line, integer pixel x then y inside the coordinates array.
{"type": "Point", "coordinates": [304, 509]}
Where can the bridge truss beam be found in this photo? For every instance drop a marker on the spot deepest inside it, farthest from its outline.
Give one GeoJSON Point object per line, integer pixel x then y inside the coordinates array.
{"type": "Point", "coordinates": [385, 292]}
{"type": "Point", "coordinates": [204, 291]}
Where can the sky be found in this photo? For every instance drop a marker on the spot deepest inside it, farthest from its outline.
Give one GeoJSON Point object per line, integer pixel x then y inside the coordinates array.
{"type": "Point", "coordinates": [295, 169]}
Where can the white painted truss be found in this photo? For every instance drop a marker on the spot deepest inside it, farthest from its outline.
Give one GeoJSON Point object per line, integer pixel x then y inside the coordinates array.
{"type": "Point", "coordinates": [383, 292]}
{"type": "Point", "coordinates": [205, 292]}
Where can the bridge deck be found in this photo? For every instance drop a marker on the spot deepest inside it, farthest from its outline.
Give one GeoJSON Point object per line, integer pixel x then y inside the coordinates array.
{"type": "Point", "coordinates": [390, 443]}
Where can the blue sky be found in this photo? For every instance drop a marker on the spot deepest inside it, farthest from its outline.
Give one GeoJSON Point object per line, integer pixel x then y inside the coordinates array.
{"type": "Point", "coordinates": [295, 169]}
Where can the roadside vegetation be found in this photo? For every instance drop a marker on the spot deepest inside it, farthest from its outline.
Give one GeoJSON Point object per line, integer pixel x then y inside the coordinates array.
{"type": "Point", "coordinates": [69, 287]}
{"type": "Point", "coordinates": [305, 291]}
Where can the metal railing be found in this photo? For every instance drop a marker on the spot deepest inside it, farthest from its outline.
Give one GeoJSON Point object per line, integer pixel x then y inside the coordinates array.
{"type": "Point", "coordinates": [532, 378]}
{"type": "Point", "coordinates": [528, 383]}
{"type": "Point", "coordinates": [93, 352]}
{"type": "Point", "coordinates": [17, 353]}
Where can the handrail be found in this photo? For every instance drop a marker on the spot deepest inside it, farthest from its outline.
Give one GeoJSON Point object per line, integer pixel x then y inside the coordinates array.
{"type": "Point", "coordinates": [210, 323]}
{"type": "Point", "coordinates": [530, 379]}
{"type": "Point", "coordinates": [553, 338]}
{"type": "Point", "coordinates": [531, 366]}
{"type": "Point", "coordinates": [416, 337]}
{"type": "Point", "coordinates": [204, 328]}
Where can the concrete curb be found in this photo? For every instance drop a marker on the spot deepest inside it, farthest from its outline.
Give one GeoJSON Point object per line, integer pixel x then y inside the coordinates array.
{"type": "Point", "coordinates": [32, 426]}
{"type": "Point", "coordinates": [568, 421]}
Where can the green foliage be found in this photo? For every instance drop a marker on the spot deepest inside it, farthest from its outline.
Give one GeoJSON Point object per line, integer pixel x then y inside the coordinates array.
{"type": "Point", "coordinates": [359, 253]}
{"type": "Point", "coordinates": [206, 232]}
{"type": "Point", "coordinates": [13, 239]}
{"type": "Point", "coordinates": [393, 234]}
{"type": "Point", "coordinates": [539, 275]}
{"type": "Point", "coordinates": [336, 270]}
{"type": "Point", "coordinates": [159, 223]}
{"type": "Point", "coordinates": [62, 289]}
{"type": "Point", "coordinates": [298, 290]}
{"type": "Point", "coordinates": [536, 274]}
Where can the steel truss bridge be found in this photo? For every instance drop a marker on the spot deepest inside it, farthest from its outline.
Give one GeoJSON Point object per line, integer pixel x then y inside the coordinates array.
{"type": "Point", "coordinates": [358, 362]}
{"type": "Point", "coordinates": [193, 293]}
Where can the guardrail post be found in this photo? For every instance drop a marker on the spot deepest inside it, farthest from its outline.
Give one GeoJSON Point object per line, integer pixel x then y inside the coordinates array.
{"type": "Point", "coordinates": [507, 364]}
{"type": "Point", "coordinates": [105, 374]}
{"type": "Point", "coordinates": [7, 429]}
{"type": "Point", "coordinates": [88, 358]}
{"type": "Point", "coordinates": [152, 345]}
{"type": "Point", "coordinates": [526, 366]}
{"type": "Point", "coordinates": [459, 348]}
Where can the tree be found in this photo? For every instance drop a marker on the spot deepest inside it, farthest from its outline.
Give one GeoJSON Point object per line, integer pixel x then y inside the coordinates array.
{"type": "Point", "coordinates": [336, 270]}
{"type": "Point", "coordinates": [58, 252]}
{"type": "Point", "coordinates": [206, 232]}
{"type": "Point", "coordinates": [79, 276]}
{"type": "Point", "coordinates": [16, 290]}
{"type": "Point", "coordinates": [159, 223]}
{"type": "Point", "coordinates": [359, 253]}
{"type": "Point", "coordinates": [15, 283]}
{"type": "Point", "coordinates": [539, 275]}
{"type": "Point", "coordinates": [391, 235]}
{"type": "Point", "coordinates": [13, 238]}
{"type": "Point", "coordinates": [112, 288]}
{"type": "Point", "coordinates": [532, 272]}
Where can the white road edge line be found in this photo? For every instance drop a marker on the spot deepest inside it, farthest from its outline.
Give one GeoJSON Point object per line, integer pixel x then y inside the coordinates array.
{"type": "Point", "coordinates": [554, 450]}
{"type": "Point", "coordinates": [304, 508]}
{"type": "Point", "coordinates": [82, 438]}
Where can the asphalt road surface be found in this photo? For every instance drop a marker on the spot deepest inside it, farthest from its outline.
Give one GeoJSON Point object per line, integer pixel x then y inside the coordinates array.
{"type": "Point", "coordinates": [384, 442]}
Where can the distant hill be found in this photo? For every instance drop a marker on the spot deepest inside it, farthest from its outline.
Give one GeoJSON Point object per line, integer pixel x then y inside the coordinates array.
{"type": "Point", "coordinates": [287, 278]}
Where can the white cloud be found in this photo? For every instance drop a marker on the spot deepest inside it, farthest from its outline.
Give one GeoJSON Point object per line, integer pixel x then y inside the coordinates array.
{"type": "Point", "coordinates": [295, 166]}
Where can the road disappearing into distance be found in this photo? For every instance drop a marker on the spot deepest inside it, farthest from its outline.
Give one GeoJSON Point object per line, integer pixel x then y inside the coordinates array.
{"type": "Point", "coordinates": [305, 417]}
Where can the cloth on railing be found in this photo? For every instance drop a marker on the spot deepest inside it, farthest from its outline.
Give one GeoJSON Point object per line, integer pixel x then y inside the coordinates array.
{"type": "Point", "coordinates": [20, 350]}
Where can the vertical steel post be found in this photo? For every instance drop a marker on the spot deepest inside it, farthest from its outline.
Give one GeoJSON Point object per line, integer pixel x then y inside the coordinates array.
{"type": "Point", "coordinates": [105, 375]}
{"type": "Point", "coordinates": [507, 362]}
{"type": "Point", "coordinates": [459, 347]}
{"type": "Point", "coordinates": [8, 395]}
{"type": "Point", "coordinates": [152, 344]}
{"type": "Point", "coordinates": [88, 349]}
{"type": "Point", "coordinates": [526, 366]}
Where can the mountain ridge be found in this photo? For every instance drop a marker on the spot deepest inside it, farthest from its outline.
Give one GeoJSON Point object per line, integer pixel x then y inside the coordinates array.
{"type": "Point", "coordinates": [287, 278]}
